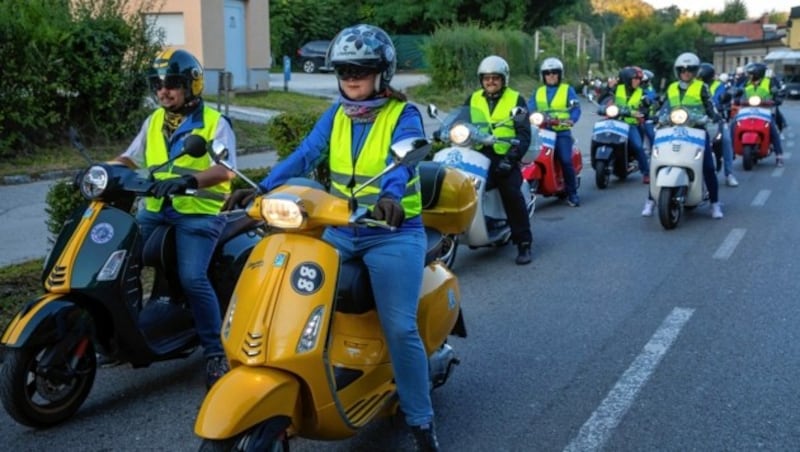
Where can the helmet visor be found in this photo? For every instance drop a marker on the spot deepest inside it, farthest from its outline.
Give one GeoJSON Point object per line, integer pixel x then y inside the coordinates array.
{"type": "Point", "coordinates": [353, 72]}
{"type": "Point", "coordinates": [168, 81]}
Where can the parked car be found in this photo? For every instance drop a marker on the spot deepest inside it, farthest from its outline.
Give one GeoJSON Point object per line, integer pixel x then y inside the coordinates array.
{"type": "Point", "coordinates": [312, 56]}
{"type": "Point", "coordinates": [792, 86]}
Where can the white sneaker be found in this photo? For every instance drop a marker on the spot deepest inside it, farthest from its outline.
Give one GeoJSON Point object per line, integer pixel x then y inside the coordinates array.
{"type": "Point", "coordinates": [716, 210]}
{"type": "Point", "coordinates": [649, 205]}
{"type": "Point", "coordinates": [730, 181]}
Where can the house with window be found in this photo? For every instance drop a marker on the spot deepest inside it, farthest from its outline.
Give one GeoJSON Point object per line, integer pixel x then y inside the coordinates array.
{"type": "Point", "coordinates": [227, 36]}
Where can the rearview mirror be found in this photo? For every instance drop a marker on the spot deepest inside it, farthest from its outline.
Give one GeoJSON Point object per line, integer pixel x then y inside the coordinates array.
{"type": "Point", "coordinates": [411, 151]}
{"type": "Point", "coordinates": [433, 112]}
{"type": "Point", "coordinates": [218, 151]}
{"type": "Point", "coordinates": [194, 145]}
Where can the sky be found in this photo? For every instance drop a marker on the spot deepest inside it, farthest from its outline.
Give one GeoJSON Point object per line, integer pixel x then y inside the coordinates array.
{"type": "Point", "coordinates": [754, 7]}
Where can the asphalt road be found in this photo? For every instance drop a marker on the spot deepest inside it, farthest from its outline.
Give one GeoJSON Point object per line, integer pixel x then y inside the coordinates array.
{"type": "Point", "coordinates": [620, 336]}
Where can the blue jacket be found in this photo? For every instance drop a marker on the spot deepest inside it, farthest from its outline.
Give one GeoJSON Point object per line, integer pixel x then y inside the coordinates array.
{"type": "Point", "coordinates": [315, 148]}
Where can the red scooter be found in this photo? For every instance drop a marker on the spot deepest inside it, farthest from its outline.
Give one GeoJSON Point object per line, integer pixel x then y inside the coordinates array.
{"type": "Point", "coordinates": [544, 174]}
{"type": "Point", "coordinates": [751, 139]}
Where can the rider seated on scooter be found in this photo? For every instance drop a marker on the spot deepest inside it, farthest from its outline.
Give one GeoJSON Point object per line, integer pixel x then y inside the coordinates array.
{"type": "Point", "coordinates": [496, 100]}
{"type": "Point", "coordinates": [722, 100]}
{"type": "Point", "coordinates": [760, 85]}
{"type": "Point", "coordinates": [554, 98]}
{"type": "Point", "coordinates": [633, 104]}
{"type": "Point", "coordinates": [652, 96]}
{"type": "Point", "coordinates": [691, 92]}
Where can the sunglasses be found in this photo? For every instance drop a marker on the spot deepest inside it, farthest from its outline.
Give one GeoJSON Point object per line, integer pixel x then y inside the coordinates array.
{"type": "Point", "coordinates": [492, 78]}
{"type": "Point", "coordinates": [687, 69]}
{"type": "Point", "coordinates": [550, 72]}
{"type": "Point", "coordinates": [168, 82]}
{"type": "Point", "coordinates": [353, 72]}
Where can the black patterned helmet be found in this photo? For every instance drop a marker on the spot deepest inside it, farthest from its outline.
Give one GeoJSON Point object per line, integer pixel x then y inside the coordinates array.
{"type": "Point", "coordinates": [173, 68]}
{"type": "Point", "coordinates": [366, 47]}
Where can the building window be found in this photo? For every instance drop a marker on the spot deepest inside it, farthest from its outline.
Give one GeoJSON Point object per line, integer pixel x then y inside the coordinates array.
{"type": "Point", "coordinates": [170, 26]}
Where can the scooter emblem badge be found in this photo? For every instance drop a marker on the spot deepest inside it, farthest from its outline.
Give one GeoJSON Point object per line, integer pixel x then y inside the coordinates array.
{"type": "Point", "coordinates": [102, 233]}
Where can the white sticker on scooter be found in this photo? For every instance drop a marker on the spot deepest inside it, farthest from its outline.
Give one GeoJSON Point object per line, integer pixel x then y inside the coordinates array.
{"type": "Point", "coordinates": [307, 278]}
{"type": "Point", "coordinates": [102, 233]}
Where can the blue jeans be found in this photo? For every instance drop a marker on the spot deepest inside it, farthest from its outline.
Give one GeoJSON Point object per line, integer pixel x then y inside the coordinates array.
{"type": "Point", "coordinates": [195, 239]}
{"type": "Point", "coordinates": [396, 260]}
{"type": "Point", "coordinates": [727, 149]}
{"type": "Point", "coordinates": [650, 132]}
{"type": "Point", "coordinates": [563, 150]}
{"type": "Point", "coordinates": [635, 144]}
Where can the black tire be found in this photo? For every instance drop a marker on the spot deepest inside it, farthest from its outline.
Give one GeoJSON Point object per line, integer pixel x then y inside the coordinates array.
{"type": "Point", "coordinates": [669, 208]}
{"type": "Point", "coordinates": [601, 174]}
{"type": "Point", "coordinates": [269, 436]}
{"type": "Point", "coordinates": [310, 66]}
{"type": "Point", "coordinates": [449, 249]}
{"type": "Point", "coordinates": [749, 157]}
{"type": "Point", "coordinates": [38, 400]}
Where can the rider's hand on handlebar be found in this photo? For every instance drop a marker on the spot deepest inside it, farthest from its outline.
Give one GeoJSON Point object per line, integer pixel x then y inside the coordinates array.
{"type": "Point", "coordinates": [176, 185]}
{"type": "Point", "coordinates": [390, 211]}
{"type": "Point", "coordinates": [239, 199]}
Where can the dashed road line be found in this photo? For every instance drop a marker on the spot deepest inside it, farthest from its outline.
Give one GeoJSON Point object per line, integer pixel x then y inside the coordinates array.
{"type": "Point", "coordinates": [598, 429]}
{"type": "Point", "coordinates": [761, 198]}
{"type": "Point", "coordinates": [729, 244]}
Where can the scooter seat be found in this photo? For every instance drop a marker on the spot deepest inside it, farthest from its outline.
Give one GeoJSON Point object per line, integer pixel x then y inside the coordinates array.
{"type": "Point", "coordinates": [159, 250]}
{"type": "Point", "coordinates": [431, 177]}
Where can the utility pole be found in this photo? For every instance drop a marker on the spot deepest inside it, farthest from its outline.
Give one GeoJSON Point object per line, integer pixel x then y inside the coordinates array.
{"type": "Point", "coordinates": [563, 42]}
{"type": "Point", "coordinates": [578, 43]}
{"type": "Point", "coordinates": [536, 44]}
{"type": "Point", "coordinates": [603, 48]}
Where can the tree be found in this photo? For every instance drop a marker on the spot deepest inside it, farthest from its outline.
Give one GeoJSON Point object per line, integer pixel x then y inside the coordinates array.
{"type": "Point", "coordinates": [734, 11]}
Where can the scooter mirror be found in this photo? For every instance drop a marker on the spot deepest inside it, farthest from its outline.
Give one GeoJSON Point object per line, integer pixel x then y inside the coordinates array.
{"type": "Point", "coordinates": [411, 151]}
{"type": "Point", "coordinates": [194, 145]}
{"type": "Point", "coordinates": [218, 151]}
{"type": "Point", "coordinates": [519, 113]}
{"type": "Point", "coordinates": [433, 112]}
{"type": "Point", "coordinates": [573, 104]}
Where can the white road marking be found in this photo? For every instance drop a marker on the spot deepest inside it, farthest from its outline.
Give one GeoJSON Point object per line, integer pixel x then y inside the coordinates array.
{"type": "Point", "coordinates": [598, 429]}
{"type": "Point", "coordinates": [777, 172]}
{"type": "Point", "coordinates": [729, 244]}
{"type": "Point", "coordinates": [761, 198]}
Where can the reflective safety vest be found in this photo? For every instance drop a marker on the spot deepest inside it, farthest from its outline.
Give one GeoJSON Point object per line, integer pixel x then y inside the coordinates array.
{"type": "Point", "coordinates": [692, 97]}
{"type": "Point", "coordinates": [207, 200]}
{"type": "Point", "coordinates": [347, 174]}
{"type": "Point", "coordinates": [713, 87]}
{"type": "Point", "coordinates": [501, 112]}
{"type": "Point", "coordinates": [633, 102]}
{"type": "Point", "coordinates": [558, 107]}
{"type": "Point", "coordinates": [762, 90]}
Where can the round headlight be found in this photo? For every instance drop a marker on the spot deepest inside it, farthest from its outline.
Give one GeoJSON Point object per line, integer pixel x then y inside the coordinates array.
{"type": "Point", "coordinates": [612, 111]}
{"type": "Point", "coordinates": [94, 182]}
{"type": "Point", "coordinates": [459, 134]}
{"type": "Point", "coordinates": [536, 118]}
{"type": "Point", "coordinates": [754, 101]}
{"type": "Point", "coordinates": [282, 213]}
{"type": "Point", "coordinates": [678, 116]}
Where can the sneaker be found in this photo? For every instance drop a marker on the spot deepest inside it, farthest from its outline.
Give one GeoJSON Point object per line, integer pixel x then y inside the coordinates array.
{"type": "Point", "coordinates": [779, 161]}
{"type": "Point", "coordinates": [716, 210]}
{"type": "Point", "coordinates": [649, 205]}
{"type": "Point", "coordinates": [730, 181]}
{"type": "Point", "coordinates": [216, 367]}
{"type": "Point", "coordinates": [646, 179]}
{"type": "Point", "coordinates": [573, 200]}
{"type": "Point", "coordinates": [425, 438]}
{"type": "Point", "coordinates": [523, 254]}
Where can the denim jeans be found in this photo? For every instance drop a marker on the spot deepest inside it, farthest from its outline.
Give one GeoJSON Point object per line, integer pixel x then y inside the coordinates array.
{"type": "Point", "coordinates": [564, 142]}
{"type": "Point", "coordinates": [395, 260]}
{"type": "Point", "coordinates": [650, 132]}
{"type": "Point", "coordinates": [635, 144]}
{"type": "Point", "coordinates": [195, 239]}
{"type": "Point", "coordinates": [727, 150]}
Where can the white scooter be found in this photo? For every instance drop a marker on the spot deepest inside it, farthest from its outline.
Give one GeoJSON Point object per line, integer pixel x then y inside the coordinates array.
{"type": "Point", "coordinates": [462, 129]}
{"type": "Point", "coordinates": [676, 164]}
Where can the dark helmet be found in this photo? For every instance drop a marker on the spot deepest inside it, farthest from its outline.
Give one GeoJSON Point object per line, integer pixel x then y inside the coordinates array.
{"type": "Point", "coordinates": [706, 73]}
{"type": "Point", "coordinates": [756, 71]}
{"type": "Point", "coordinates": [174, 67]}
{"type": "Point", "coordinates": [627, 74]}
{"type": "Point", "coordinates": [366, 47]}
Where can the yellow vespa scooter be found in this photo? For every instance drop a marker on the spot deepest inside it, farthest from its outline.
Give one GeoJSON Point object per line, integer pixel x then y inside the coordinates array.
{"type": "Point", "coordinates": [307, 353]}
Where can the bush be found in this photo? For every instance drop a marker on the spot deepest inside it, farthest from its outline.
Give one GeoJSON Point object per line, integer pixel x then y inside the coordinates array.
{"type": "Point", "coordinates": [62, 199]}
{"type": "Point", "coordinates": [287, 130]}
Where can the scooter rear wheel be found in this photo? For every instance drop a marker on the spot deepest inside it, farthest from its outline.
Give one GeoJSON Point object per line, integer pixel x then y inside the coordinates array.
{"type": "Point", "coordinates": [748, 157]}
{"type": "Point", "coordinates": [42, 394]}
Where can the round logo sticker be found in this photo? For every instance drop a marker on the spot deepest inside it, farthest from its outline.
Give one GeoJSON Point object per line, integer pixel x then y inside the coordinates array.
{"type": "Point", "coordinates": [307, 278]}
{"type": "Point", "coordinates": [101, 233]}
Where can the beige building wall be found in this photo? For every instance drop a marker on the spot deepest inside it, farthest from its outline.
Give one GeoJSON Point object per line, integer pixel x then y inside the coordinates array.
{"type": "Point", "coordinates": [793, 34]}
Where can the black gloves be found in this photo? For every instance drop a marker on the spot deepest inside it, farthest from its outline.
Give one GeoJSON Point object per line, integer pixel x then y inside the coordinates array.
{"type": "Point", "coordinates": [389, 210]}
{"type": "Point", "coordinates": [176, 185]}
{"type": "Point", "coordinates": [507, 163]}
{"type": "Point", "coordinates": [239, 198]}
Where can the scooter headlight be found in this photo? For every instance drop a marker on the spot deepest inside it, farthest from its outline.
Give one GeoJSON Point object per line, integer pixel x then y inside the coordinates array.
{"type": "Point", "coordinates": [460, 134]}
{"type": "Point", "coordinates": [536, 119]}
{"type": "Point", "coordinates": [94, 182]}
{"type": "Point", "coordinates": [754, 101]}
{"type": "Point", "coordinates": [679, 116]}
{"type": "Point", "coordinates": [612, 111]}
{"type": "Point", "coordinates": [282, 213]}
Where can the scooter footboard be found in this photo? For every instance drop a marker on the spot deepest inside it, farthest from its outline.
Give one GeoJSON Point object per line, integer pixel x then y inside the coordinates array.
{"type": "Point", "coordinates": [244, 397]}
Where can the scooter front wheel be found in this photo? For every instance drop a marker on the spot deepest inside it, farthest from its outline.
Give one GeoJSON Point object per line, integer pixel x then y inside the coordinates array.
{"type": "Point", "coordinates": [601, 174]}
{"type": "Point", "coordinates": [44, 385]}
{"type": "Point", "coordinates": [269, 436]}
{"type": "Point", "coordinates": [670, 207]}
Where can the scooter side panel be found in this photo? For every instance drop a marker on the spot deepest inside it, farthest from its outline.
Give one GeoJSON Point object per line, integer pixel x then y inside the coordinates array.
{"type": "Point", "coordinates": [246, 396]}
{"type": "Point", "coordinates": [439, 306]}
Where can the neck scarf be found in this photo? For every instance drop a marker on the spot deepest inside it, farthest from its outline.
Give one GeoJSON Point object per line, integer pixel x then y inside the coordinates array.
{"type": "Point", "coordinates": [363, 111]}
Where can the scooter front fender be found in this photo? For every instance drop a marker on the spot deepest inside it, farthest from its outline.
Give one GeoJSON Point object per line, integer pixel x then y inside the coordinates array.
{"type": "Point", "coordinates": [246, 396]}
{"type": "Point", "coordinates": [42, 321]}
{"type": "Point", "coordinates": [672, 176]}
{"type": "Point", "coordinates": [604, 153]}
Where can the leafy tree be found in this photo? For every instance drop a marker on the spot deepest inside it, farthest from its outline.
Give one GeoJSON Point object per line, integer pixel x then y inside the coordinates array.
{"type": "Point", "coordinates": [294, 22]}
{"type": "Point", "coordinates": [734, 11]}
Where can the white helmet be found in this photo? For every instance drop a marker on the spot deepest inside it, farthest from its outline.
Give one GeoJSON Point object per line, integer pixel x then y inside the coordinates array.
{"type": "Point", "coordinates": [687, 60]}
{"type": "Point", "coordinates": [723, 78]}
{"type": "Point", "coordinates": [740, 70]}
{"type": "Point", "coordinates": [366, 46]}
{"type": "Point", "coordinates": [552, 64]}
{"type": "Point", "coordinates": [493, 64]}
